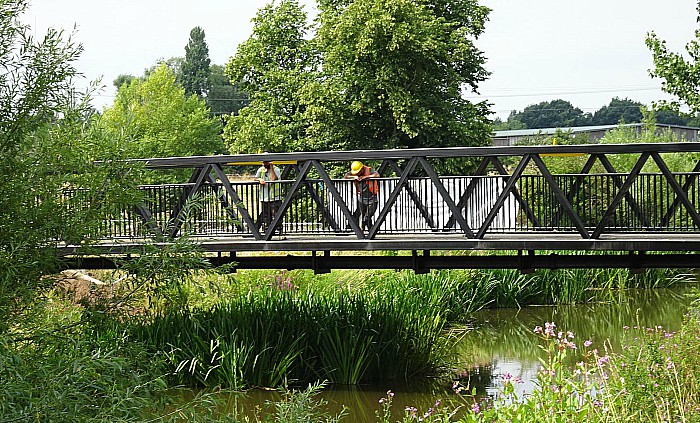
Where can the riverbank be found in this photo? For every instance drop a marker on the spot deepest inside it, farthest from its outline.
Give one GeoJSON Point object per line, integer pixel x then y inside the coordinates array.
{"type": "Point", "coordinates": [499, 345]}
{"type": "Point", "coordinates": [63, 360]}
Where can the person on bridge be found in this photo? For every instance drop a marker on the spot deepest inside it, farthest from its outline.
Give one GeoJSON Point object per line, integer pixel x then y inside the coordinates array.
{"type": "Point", "coordinates": [367, 190]}
{"type": "Point", "coordinates": [270, 194]}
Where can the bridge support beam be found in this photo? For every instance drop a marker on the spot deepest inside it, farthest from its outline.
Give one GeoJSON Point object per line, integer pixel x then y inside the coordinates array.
{"type": "Point", "coordinates": [636, 261]}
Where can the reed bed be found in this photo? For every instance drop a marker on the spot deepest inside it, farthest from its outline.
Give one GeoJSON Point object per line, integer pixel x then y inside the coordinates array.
{"type": "Point", "coordinates": [291, 328]}
{"type": "Point", "coordinates": [277, 337]}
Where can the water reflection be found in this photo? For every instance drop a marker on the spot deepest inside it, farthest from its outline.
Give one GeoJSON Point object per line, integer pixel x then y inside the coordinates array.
{"type": "Point", "coordinates": [502, 341]}
{"type": "Point", "coordinates": [498, 343]}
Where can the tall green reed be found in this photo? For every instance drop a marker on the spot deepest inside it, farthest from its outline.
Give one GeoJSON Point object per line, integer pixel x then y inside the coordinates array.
{"type": "Point", "coordinates": [273, 337]}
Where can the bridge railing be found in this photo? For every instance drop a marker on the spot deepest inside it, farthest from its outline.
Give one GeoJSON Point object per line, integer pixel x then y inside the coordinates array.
{"type": "Point", "coordinates": [516, 195]}
{"type": "Point", "coordinates": [311, 211]}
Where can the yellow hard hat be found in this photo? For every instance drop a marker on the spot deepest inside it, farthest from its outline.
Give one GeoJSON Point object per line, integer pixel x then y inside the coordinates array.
{"type": "Point", "coordinates": [355, 167]}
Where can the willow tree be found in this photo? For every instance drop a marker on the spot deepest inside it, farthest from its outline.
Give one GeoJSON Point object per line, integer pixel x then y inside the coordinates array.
{"type": "Point", "coordinates": [47, 144]}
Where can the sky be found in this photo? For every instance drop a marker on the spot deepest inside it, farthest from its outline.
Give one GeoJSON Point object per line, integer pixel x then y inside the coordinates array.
{"type": "Point", "coordinates": [586, 52]}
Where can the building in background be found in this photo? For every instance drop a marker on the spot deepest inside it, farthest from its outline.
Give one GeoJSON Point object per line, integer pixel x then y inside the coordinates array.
{"type": "Point", "coordinates": [587, 133]}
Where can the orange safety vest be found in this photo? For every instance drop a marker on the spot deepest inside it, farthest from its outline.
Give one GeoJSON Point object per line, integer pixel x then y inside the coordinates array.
{"type": "Point", "coordinates": [373, 185]}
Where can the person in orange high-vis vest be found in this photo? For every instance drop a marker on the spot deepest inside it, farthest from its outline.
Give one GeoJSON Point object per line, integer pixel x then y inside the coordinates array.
{"type": "Point", "coordinates": [367, 190]}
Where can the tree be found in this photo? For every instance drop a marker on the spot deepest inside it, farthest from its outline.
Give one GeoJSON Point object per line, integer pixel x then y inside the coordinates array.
{"type": "Point", "coordinates": [619, 110]}
{"type": "Point", "coordinates": [47, 144]}
{"type": "Point", "coordinates": [159, 120]}
{"type": "Point", "coordinates": [122, 79]}
{"type": "Point", "coordinates": [173, 63]}
{"type": "Point", "coordinates": [670, 117]}
{"type": "Point", "coordinates": [195, 71]}
{"type": "Point", "coordinates": [273, 67]}
{"type": "Point", "coordinates": [394, 74]}
{"type": "Point", "coordinates": [224, 98]}
{"type": "Point", "coordinates": [681, 76]}
{"type": "Point", "coordinates": [509, 125]}
{"type": "Point", "coordinates": [552, 114]}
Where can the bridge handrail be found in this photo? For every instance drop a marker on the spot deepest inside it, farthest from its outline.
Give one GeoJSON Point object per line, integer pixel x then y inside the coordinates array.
{"type": "Point", "coordinates": [450, 152]}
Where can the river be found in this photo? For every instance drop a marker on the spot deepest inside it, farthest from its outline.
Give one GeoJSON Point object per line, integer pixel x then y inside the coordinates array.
{"type": "Point", "coordinates": [500, 342]}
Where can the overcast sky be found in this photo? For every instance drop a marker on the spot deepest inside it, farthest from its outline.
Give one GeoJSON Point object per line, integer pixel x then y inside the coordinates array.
{"type": "Point", "coordinates": [585, 52]}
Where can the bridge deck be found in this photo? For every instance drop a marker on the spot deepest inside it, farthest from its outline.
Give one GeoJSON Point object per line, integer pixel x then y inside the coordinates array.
{"type": "Point", "coordinates": [532, 251]}
{"type": "Point", "coordinates": [524, 241]}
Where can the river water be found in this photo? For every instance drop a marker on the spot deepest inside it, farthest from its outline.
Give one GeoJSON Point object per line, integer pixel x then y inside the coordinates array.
{"type": "Point", "coordinates": [498, 343]}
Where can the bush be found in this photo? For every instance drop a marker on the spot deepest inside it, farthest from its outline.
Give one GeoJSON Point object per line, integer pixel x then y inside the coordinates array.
{"type": "Point", "coordinates": [75, 379]}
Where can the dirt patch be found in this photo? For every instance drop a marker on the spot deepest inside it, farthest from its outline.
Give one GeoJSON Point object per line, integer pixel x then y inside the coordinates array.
{"type": "Point", "coordinates": [83, 288]}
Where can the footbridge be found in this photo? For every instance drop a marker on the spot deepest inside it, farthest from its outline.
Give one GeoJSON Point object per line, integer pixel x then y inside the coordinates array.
{"type": "Point", "coordinates": [560, 206]}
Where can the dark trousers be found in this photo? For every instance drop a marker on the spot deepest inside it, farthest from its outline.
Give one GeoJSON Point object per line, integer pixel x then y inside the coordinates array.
{"type": "Point", "coordinates": [363, 214]}
{"type": "Point", "coordinates": [268, 211]}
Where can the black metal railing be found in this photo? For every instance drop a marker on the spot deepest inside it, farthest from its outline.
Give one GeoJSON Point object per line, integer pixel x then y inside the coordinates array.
{"type": "Point", "coordinates": [649, 207]}
{"type": "Point", "coordinates": [522, 196]}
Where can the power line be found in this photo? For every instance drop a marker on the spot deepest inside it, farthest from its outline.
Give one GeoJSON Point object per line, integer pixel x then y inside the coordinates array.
{"type": "Point", "coordinates": [599, 91]}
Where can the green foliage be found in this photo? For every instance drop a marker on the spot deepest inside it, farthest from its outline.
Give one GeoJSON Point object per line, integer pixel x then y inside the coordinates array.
{"type": "Point", "coordinates": [560, 113]}
{"type": "Point", "coordinates": [161, 273]}
{"type": "Point", "coordinates": [157, 119]}
{"type": "Point", "coordinates": [376, 75]}
{"type": "Point", "coordinates": [273, 66]}
{"type": "Point", "coordinates": [173, 63]}
{"type": "Point", "coordinates": [393, 74]}
{"type": "Point", "coordinates": [650, 134]}
{"type": "Point", "coordinates": [618, 111]}
{"type": "Point", "coordinates": [74, 376]}
{"type": "Point", "coordinates": [301, 406]}
{"type": "Point", "coordinates": [511, 124]}
{"type": "Point", "coordinates": [681, 76]}
{"type": "Point", "coordinates": [47, 144]}
{"type": "Point", "coordinates": [195, 71]}
{"type": "Point", "coordinates": [658, 374]}
{"type": "Point", "coordinates": [224, 98]}
{"type": "Point", "coordinates": [122, 79]}
{"type": "Point", "coordinates": [279, 334]}
{"type": "Point", "coordinates": [551, 114]}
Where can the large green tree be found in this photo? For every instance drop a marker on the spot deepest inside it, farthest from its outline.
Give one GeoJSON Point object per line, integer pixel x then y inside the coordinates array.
{"type": "Point", "coordinates": [681, 75]}
{"type": "Point", "coordinates": [195, 70]}
{"type": "Point", "coordinates": [394, 74]}
{"type": "Point", "coordinates": [159, 120]}
{"type": "Point", "coordinates": [272, 67]}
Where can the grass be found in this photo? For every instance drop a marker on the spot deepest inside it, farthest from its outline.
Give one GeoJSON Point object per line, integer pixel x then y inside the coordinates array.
{"type": "Point", "coordinates": [77, 376]}
{"type": "Point", "coordinates": [460, 291]}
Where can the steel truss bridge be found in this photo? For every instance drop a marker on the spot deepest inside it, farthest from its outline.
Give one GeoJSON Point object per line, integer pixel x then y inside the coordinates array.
{"type": "Point", "coordinates": [624, 207]}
